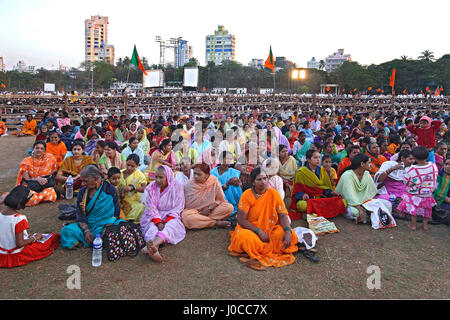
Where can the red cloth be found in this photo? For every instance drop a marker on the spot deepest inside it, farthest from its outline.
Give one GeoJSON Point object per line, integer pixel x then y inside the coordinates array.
{"type": "Point", "coordinates": [31, 252]}
{"type": "Point", "coordinates": [326, 207]}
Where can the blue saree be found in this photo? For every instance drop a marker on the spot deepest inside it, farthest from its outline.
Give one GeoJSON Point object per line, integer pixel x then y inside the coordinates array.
{"type": "Point", "coordinates": [232, 193]}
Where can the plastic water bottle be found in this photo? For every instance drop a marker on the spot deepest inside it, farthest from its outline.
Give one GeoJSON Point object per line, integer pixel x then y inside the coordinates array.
{"type": "Point", "coordinates": [69, 188]}
{"type": "Point", "coordinates": [392, 197]}
{"type": "Point", "coordinates": [97, 251]}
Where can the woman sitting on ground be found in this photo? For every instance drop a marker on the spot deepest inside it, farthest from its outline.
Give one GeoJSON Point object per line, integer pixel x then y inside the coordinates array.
{"type": "Point", "coordinates": [389, 179]}
{"type": "Point", "coordinates": [57, 148]}
{"type": "Point", "coordinates": [72, 166]}
{"type": "Point", "coordinates": [97, 206]}
{"type": "Point", "coordinates": [288, 168]}
{"type": "Point", "coordinates": [313, 182]}
{"type": "Point", "coordinates": [373, 151]}
{"type": "Point", "coordinates": [352, 151]}
{"type": "Point", "coordinates": [111, 158]}
{"type": "Point", "coordinates": [229, 180]}
{"type": "Point", "coordinates": [29, 128]}
{"type": "Point", "coordinates": [132, 184]}
{"type": "Point", "coordinates": [17, 247]}
{"type": "Point", "coordinates": [186, 172]}
{"type": "Point", "coordinates": [263, 237]}
{"type": "Point", "coordinates": [206, 206]}
{"type": "Point", "coordinates": [161, 221]}
{"type": "Point", "coordinates": [357, 186]}
{"type": "Point", "coordinates": [39, 167]}
{"type": "Point", "coordinates": [98, 151]}
{"type": "Point", "coordinates": [164, 156]}
{"type": "Point", "coordinates": [270, 167]}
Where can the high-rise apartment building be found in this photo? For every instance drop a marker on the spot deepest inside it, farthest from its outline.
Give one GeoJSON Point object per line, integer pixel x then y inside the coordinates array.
{"type": "Point", "coordinates": [334, 61]}
{"type": "Point", "coordinates": [183, 52]}
{"type": "Point", "coordinates": [96, 40]}
{"type": "Point", "coordinates": [313, 64]}
{"type": "Point", "coordinates": [220, 47]}
{"type": "Point", "coordinates": [2, 65]}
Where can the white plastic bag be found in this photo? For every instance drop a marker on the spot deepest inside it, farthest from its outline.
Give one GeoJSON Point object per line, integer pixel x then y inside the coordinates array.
{"type": "Point", "coordinates": [300, 232]}
{"type": "Point", "coordinates": [380, 213]}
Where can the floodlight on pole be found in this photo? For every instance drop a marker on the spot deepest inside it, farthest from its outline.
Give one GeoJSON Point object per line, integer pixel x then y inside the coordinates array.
{"type": "Point", "coordinates": [298, 74]}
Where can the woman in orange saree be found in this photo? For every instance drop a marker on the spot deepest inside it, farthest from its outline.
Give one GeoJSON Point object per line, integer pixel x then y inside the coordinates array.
{"type": "Point", "coordinates": [263, 237]}
{"type": "Point", "coordinates": [29, 127]}
{"type": "Point", "coordinates": [205, 203]}
{"type": "Point", "coordinates": [36, 167]}
{"type": "Point", "coordinates": [57, 148]}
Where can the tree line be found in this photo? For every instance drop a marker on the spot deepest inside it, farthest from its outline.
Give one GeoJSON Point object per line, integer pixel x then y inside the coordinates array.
{"type": "Point", "coordinates": [412, 76]}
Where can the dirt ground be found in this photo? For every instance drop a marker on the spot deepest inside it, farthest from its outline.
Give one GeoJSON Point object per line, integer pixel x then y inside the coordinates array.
{"type": "Point", "coordinates": [412, 264]}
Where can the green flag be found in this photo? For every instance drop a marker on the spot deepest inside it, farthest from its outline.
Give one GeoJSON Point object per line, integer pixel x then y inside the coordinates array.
{"type": "Point", "coordinates": [137, 62]}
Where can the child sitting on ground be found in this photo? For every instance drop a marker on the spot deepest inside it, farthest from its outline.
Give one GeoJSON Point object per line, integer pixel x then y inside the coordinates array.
{"type": "Point", "coordinates": [17, 248]}
{"type": "Point", "coordinates": [420, 180]}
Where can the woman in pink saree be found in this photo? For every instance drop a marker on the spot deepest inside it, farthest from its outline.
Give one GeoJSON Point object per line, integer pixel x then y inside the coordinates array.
{"type": "Point", "coordinates": [161, 221]}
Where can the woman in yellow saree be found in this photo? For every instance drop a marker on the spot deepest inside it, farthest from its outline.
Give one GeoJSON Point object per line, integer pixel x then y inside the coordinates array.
{"type": "Point", "coordinates": [263, 237]}
{"type": "Point", "coordinates": [132, 183]}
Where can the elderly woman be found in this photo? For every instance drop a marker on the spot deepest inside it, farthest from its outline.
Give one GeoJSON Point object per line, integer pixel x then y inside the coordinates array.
{"type": "Point", "coordinates": [161, 221]}
{"type": "Point", "coordinates": [57, 148]}
{"type": "Point", "coordinates": [111, 158]}
{"type": "Point", "coordinates": [389, 179]}
{"type": "Point", "coordinates": [133, 148]}
{"type": "Point", "coordinates": [356, 186]}
{"type": "Point", "coordinates": [72, 166]}
{"type": "Point", "coordinates": [229, 180]}
{"type": "Point", "coordinates": [132, 183]}
{"type": "Point", "coordinates": [373, 151]}
{"type": "Point", "coordinates": [206, 206]}
{"type": "Point", "coordinates": [313, 190]}
{"type": "Point", "coordinates": [38, 168]}
{"type": "Point", "coordinates": [97, 206]}
{"type": "Point", "coordinates": [263, 237]}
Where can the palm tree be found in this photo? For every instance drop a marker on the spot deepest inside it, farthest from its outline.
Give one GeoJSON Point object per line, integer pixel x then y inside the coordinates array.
{"type": "Point", "coordinates": [321, 65]}
{"type": "Point", "coordinates": [405, 58]}
{"type": "Point", "coordinates": [427, 55]}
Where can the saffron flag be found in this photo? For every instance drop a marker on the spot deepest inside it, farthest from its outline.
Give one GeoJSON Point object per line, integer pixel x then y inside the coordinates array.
{"type": "Point", "coordinates": [369, 88]}
{"type": "Point", "coordinates": [392, 78]}
{"type": "Point", "coordinates": [270, 64]}
{"type": "Point", "coordinates": [437, 92]}
{"type": "Point", "coordinates": [427, 89]}
{"type": "Point", "coordinates": [3, 85]}
{"type": "Point", "coordinates": [404, 91]}
{"type": "Point", "coordinates": [442, 88]}
{"type": "Point", "coordinates": [137, 62]}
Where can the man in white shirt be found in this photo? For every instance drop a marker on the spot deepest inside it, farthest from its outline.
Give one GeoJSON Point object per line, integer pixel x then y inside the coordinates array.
{"type": "Point", "coordinates": [185, 172]}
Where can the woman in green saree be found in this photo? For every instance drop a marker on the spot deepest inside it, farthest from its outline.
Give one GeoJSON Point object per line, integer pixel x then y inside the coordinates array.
{"type": "Point", "coordinates": [357, 186]}
{"type": "Point", "coordinates": [312, 182]}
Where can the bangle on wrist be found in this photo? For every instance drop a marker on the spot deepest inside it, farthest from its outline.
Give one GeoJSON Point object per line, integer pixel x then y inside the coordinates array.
{"type": "Point", "coordinates": [256, 230]}
{"type": "Point", "coordinates": [288, 229]}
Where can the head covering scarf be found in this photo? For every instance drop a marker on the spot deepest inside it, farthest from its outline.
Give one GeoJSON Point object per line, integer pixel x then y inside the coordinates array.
{"type": "Point", "coordinates": [169, 202]}
{"type": "Point", "coordinates": [427, 119]}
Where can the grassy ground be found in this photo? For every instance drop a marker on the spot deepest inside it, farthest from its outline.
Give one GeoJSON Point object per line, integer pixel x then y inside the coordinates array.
{"type": "Point", "coordinates": [412, 264]}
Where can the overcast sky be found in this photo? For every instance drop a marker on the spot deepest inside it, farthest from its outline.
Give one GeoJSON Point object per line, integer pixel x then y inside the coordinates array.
{"type": "Point", "coordinates": [48, 32]}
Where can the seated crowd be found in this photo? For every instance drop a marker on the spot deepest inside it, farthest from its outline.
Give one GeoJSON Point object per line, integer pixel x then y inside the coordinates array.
{"type": "Point", "coordinates": [169, 174]}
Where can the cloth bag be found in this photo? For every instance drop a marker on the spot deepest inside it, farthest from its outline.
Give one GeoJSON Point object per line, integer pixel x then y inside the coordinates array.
{"type": "Point", "coordinates": [124, 239]}
{"type": "Point", "coordinates": [380, 213]}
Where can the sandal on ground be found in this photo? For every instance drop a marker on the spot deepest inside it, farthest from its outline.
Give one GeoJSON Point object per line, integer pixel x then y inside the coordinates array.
{"type": "Point", "coordinates": [310, 255]}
